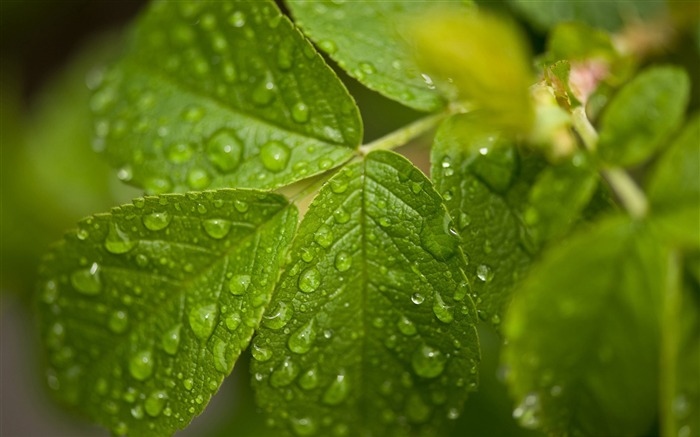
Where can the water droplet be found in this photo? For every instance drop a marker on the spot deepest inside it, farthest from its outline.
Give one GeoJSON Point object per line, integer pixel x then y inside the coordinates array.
{"type": "Point", "coordinates": [300, 112]}
{"type": "Point", "coordinates": [309, 280]}
{"type": "Point", "coordinates": [406, 327]}
{"type": "Point", "coordinates": [417, 298]}
{"type": "Point", "coordinates": [343, 261]}
{"type": "Point", "coordinates": [264, 93]}
{"type": "Point", "coordinates": [484, 273]}
{"type": "Point", "coordinates": [274, 156]}
{"type": "Point", "coordinates": [198, 178]}
{"type": "Point", "coordinates": [203, 320]}
{"type": "Point", "coordinates": [239, 284]}
{"type": "Point", "coordinates": [240, 205]}
{"type": "Point", "coordinates": [328, 46]}
{"type": "Point", "coordinates": [155, 402]}
{"type": "Point", "coordinates": [117, 241]}
{"type": "Point", "coordinates": [232, 322]}
{"type": "Point", "coordinates": [121, 429]}
{"type": "Point", "coordinates": [304, 426]}
{"type": "Point", "coordinates": [428, 81]}
{"type": "Point", "coordinates": [324, 236]}
{"type": "Point", "coordinates": [137, 412]}
{"type": "Point", "coordinates": [237, 19]}
{"type": "Point", "coordinates": [428, 362]}
{"type": "Point", "coordinates": [223, 361]}
{"type": "Point", "coordinates": [284, 374]}
{"type": "Point", "coordinates": [118, 321]}
{"type": "Point", "coordinates": [141, 365]}
{"type": "Point", "coordinates": [341, 215]}
{"type": "Point", "coordinates": [224, 150]}
{"type": "Point", "coordinates": [438, 238]}
{"type": "Point", "coordinates": [156, 221]}
{"type": "Point", "coordinates": [261, 353]}
{"type": "Point", "coordinates": [170, 340]}
{"type": "Point", "coordinates": [87, 281]}
{"type": "Point", "coordinates": [188, 384]}
{"type": "Point", "coordinates": [461, 291]}
{"type": "Point", "coordinates": [278, 317]}
{"type": "Point", "coordinates": [527, 413]}
{"type": "Point", "coordinates": [179, 153]}
{"type": "Point", "coordinates": [339, 184]}
{"type": "Point", "coordinates": [300, 342]}
{"type": "Point", "coordinates": [309, 379]}
{"type": "Point", "coordinates": [337, 391]}
{"type": "Point", "coordinates": [496, 319]}
{"type": "Point", "coordinates": [442, 311]}
{"type": "Point", "coordinates": [417, 410]}
{"type": "Point", "coordinates": [367, 68]}
{"type": "Point", "coordinates": [216, 228]}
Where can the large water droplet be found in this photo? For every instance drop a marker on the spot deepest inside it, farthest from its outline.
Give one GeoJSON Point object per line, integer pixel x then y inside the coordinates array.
{"type": "Point", "coordinates": [223, 360]}
{"type": "Point", "coordinates": [203, 320]}
{"type": "Point", "coordinates": [260, 352]}
{"type": "Point", "coordinates": [216, 228]}
{"type": "Point", "coordinates": [285, 373]}
{"type": "Point", "coordinates": [309, 280]}
{"type": "Point", "coordinates": [170, 340]}
{"type": "Point", "coordinates": [239, 284]}
{"type": "Point", "coordinates": [442, 311]}
{"type": "Point", "coordinates": [264, 93]}
{"type": "Point", "coordinates": [155, 402]}
{"type": "Point", "coordinates": [300, 342]}
{"type": "Point", "coordinates": [484, 273]}
{"type": "Point", "coordinates": [339, 184]}
{"type": "Point", "coordinates": [341, 215]}
{"type": "Point", "coordinates": [309, 379]}
{"type": "Point", "coordinates": [156, 221]}
{"type": "Point", "coordinates": [274, 156]}
{"type": "Point", "coordinates": [224, 150]}
{"type": "Point", "coordinates": [141, 365]}
{"type": "Point", "coordinates": [87, 281]}
{"type": "Point", "coordinates": [278, 317]}
{"type": "Point", "coordinates": [324, 236]}
{"type": "Point", "coordinates": [118, 321]}
{"type": "Point", "coordinates": [337, 391]}
{"type": "Point", "coordinates": [118, 241]}
{"type": "Point", "coordinates": [406, 326]}
{"type": "Point", "coordinates": [428, 362]}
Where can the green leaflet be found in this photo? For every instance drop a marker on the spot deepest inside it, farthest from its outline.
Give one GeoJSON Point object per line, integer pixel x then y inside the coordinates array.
{"type": "Point", "coordinates": [642, 115]}
{"type": "Point", "coordinates": [583, 334]}
{"type": "Point", "coordinates": [674, 187]}
{"type": "Point", "coordinates": [371, 331]}
{"type": "Point", "coordinates": [367, 40]}
{"type": "Point", "coordinates": [144, 310]}
{"type": "Point", "coordinates": [222, 94]}
{"type": "Point", "coordinates": [609, 15]}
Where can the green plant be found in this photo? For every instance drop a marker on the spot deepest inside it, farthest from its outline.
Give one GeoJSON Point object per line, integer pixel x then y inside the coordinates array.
{"type": "Point", "coordinates": [362, 319]}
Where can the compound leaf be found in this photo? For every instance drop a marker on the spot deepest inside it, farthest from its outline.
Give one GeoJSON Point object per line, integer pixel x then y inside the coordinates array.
{"type": "Point", "coordinates": [583, 334]}
{"type": "Point", "coordinates": [145, 310]}
{"type": "Point", "coordinates": [366, 40]}
{"type": "Point", "coordinates": [222, 94]}
{"type": "Point", "coordinates": [642, 115]}
{"type": "Point", "coordinates": [372, 328]}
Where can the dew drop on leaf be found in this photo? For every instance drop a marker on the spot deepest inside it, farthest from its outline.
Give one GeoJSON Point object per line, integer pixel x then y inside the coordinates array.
{"type": "Point", "coordinates": [203, 320]}
{"type": "Point", "coordinates": [87, 281]}
{"type": "Point", "coordinates": [274, 156]}
{"type": "Point", "coordinates": [118, 321]}
{"type": "Point", "coordinates": [222, 361]}
{"type": "Point", "coordinates": [155, 402]}
{"type": "Point", "coordinates": [156, 221]}
{"type": "Point", "coordinates": [278, 317]}
{"type": "Point", "coordinates": [406, 327]}
{"type": "Point", "coordinates": [232, 322]}
{"type": "Point", "coordinates": [309, 379]}
{"type": "Point", "coordinates": [198, 178]}
{"type": "Point", "coordinates": [442, 311]}
{"type": "Point", "coordinates": [300, 112]}
{"type": "Point", "coordinates": [141, 365]}
{"type": "Point", "coordinates": [285, 373]}
{"type": "Point", "coordinates": [241, 205]}
{"type": "Point", "coordinates": [339, 184]}
{"type": "Point", "coordinates": [239, 284]}
{"type": "Point", "coordinates": [461, 291]}
{"type": "Point", "coordinates": [264, 93]}
{"type": "Point", "coordinates": [309, 280]}
{"type": "Point", "coordinates": [300, 342]}
{"type": "Point", "coordinates": [304, 426]}
{"type": "Point", "coordinates": [417, 298]}
{"type": "Point", "coordinates": [324, 236]}
{"type": "Point", "coordinates": [261, 353]}
{"type": "Point", "coordinates": [328, 46]}
{"type": "Point", "coordinates": [341, 215]}
{"type": "Point", "coordinates": [343, 261]}
{"type": "Point", "coordinates": [179, 152]}
{"type": "Point", "coordinates": [170, 340]}
{"type": "Point", "coordinates": [527, 413]}
{"type": "Point", "coordinates": [337, 391]}
{"type": "Point", "coordinates": [417, 410]}
{"type": "Point", "coordinates": [484, 273]}
{"type": "Point", "coordinates": [428, 362]}
{"type": "Point", "coordinates": [118, 242]}
{"type": "Point", "coordinates": [216, 228]}
{"type": "Point", "coordinates": [224, 150]}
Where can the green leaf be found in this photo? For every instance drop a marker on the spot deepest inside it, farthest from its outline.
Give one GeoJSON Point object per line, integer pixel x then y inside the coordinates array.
{"type": "Point", "coordinates": [368, 41]}
{"type": "Point", "coordinates": [371, 331]}
{"type": "Point", "coordinates": [609, 15]}
{"type": "Point", "coordinates": [583, 334]}
{"type": "Point", "coordinates": [642, 115]}
{"type": "Point", "coordinates": [485, 183]}
{"type": "Point", "coordinates": [144, 310]}
{"type": "Point", "coordinates": [222, 94]}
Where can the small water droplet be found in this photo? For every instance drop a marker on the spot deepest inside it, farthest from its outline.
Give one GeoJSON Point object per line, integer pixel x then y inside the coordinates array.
{"type": "Point", "coordinates": [223, 360]}
{"type": "Point", "coordinates": [328, 46]}
{"type": "Point", "coordinates": [203, 320]}
{"type": "Point", "coordinates": [264, 93]}
{"type": "Point", "coordinates": [300, 342]}
{"type": "Point", "coordinates": [309, 379]}
{"type": "Point", "coordinates": [343, 261]}
{"type": "Point", "coordinates": [284, 374]}
{"type": "Point", "coordinates": [188, 384]}
{"type": "Point", "coordinates": [484, 273]}
{"type": "Point", "coordinates": [156, 221]}
{"type": "Point", "coordinates": [170, 340]}
{"type": "Point", "coordinates": [417, 298]}
{"type": "Point", "coordinates": [224, 150]}
{"type": "Point", "coordinates": [341, 215]}
{"type": "Point", "coordinates": [87, 281]}
{"type": "Point", "coordinates": [406, 327]}
{"type": "Point", "coordinates": [417, 410]}
{"type": "Point", "coordinates": [117, 241]}
{"type": "Point", "coordinates": [239, 284]}
{"type": "Point", "coordinates": [442, 311]}
{"type": "Point", "coordinates": [300, 112]}
{"type": "Point", "coordinates": [428, 362]}
{"type": "Point", "coordinates": [216, 228]}
{"type": "Point", "coordinates": [241, 205]}
{"type": "Point", "coordinates": [118, 321]}
{"type": "Point", "coordinates": [324, 236]}
{"type": "Point", "coordinates": [232, 322]}
{"type": "Point", "coordinates": [309, 280]}
{"type": "Point", "coordinates": [438, 238]}
{"type": "Point", "coordinates": [337, 391]}
{"type": "Point", "coordinates": [527, 413]}
{"type": "Point", "coordinates": [198, 178]}
{"type": "Point", "coordinates": [339, 184]}
{"type": "Point", "coordinates": [155, 402]}
{"type": "Point", "coordinates": [141, 365]}
{"type": "Point", "coordinates": [304, 426]}
{"type": "Point", "coordinates": [274, 156]}
{"type": "Point", "coordinates": [261, 353]}
{"type": "Point", "coordinates": [278, 317]}
{"type": "Point", "coordinates": [237, 19]}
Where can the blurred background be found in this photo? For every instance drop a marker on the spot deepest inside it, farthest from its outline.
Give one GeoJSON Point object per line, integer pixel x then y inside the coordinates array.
{"type": "Point", "coordinates": [50, 53]}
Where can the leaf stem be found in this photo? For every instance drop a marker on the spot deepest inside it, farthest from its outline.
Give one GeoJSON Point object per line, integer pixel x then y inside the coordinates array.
{"type": "Point", "coordinates": [407, 133]}
{"type": "Point", "coordinates": [629, 193]}
{"type": "Point", "coordinates": [672, 301]}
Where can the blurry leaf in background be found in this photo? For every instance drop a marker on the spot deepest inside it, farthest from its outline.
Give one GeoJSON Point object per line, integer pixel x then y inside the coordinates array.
{"type": "Point", "coordinates": [486, 57]}
{"type": "Point", "coordinates": [366, 42]}
{"type": "Point", "coordinates": [608, 15]}
{"type": "Point", "coordinates": [50, 175]}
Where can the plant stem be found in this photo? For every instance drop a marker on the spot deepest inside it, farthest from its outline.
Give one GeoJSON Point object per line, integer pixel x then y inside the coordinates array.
{"type": "Point", "coordinates": [629, 193]}
{"type": "Point", "coordinates": [405, 134]}
{"type": "Point", "coordinates": [670, 328]}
